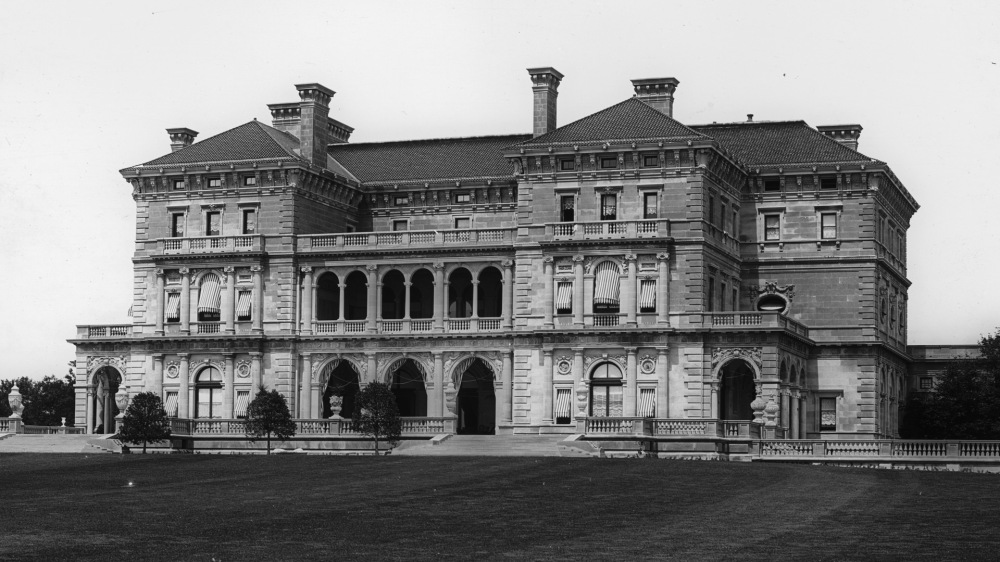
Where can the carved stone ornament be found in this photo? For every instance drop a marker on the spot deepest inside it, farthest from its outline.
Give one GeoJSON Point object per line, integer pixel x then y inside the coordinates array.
{"type": "Point", "coordinates": [95, 363]}
{"type": "Point", "coordinates": [647, 364]}
{"type": "Point", "coordinates": [772, 288]}
{"type": "Point", "coordinates": [173, 370]}
{"type": "Point", "coordinates": [564, 365]}
{"type": "Point", "coordinates": [243, 369]}
{"type": "Point", "coordinates": [663, 256]}
{"type": "Point", "coordinates": [750, 354]}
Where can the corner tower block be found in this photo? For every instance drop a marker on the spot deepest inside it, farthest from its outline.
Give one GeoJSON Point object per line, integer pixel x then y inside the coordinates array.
{"type": "Point", "coordinates": [181, 137]}
{"type": "Point", "coordinates": [846, 135]}
{"type": "Point", "coordinates": [545, 84]}
{"type": "Point", "coordinates": [658, 93]}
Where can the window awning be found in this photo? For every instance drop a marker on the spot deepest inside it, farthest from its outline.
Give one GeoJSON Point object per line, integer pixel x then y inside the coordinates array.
{"type": "Point", "coordinates": [563, 400]}
{"type": "Point", "coordinates": [210, 297]}
{"type": "Point", "coordinates": [606, 283]}
{"type": "Point", "coordinates": [243, 304]}
{"type": "Point", "coordinates": [647, 403]}
{"type": "Point", "coordinates": [647, 295]}
{"type": "Point", "coordinates": [173, 307]}
{"type": "Point", "coordinates": [564, 296]}
{"type": "Point", "coordinates": [171, 404]}
{"type": "Point", "coordinates": [242, 401]}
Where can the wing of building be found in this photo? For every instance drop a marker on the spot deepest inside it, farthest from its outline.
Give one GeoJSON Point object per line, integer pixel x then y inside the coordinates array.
{"type": "Point", "coordinates": [621, 275]}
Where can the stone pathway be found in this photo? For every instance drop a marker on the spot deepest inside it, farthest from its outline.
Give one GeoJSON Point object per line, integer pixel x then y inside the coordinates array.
{"type": "Point", "coordinates": [20, 443]}
{"type": "Point", "coordinates": [493, 446]}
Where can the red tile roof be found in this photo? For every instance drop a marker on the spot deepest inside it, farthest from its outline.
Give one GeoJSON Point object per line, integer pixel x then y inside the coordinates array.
{"type": "Point", "coordinates": [775, 143]}
{"type": "Point", "coordinates": [250, 141]}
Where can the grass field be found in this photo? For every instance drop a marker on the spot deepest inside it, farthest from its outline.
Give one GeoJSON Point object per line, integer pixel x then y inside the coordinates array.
{"type": "Point", "coordinates": [291, 507]}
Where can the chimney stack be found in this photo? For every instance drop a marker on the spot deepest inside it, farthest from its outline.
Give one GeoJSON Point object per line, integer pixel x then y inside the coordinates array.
{"type": "Point", "coordinates": [545, 85]}
{"type": "Point", "coordinates": [286, 117]}
{"type": "Point", "coordinates": [846, 135]}
{"type": "Point", "coordinates": [658, 93]}
{"type": "Point", "coordinates": [181, 137]}
{"type": "Point", "coordinates": [315, 110]}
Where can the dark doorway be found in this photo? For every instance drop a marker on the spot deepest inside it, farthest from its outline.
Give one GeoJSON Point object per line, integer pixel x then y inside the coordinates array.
{"type": "Point", "coordinates": [477, 401]}
{"type": "Point", "coordinates": [106, 381]}
{"type": "Point", "coordinates": [737, 391]}
{"type": "Point", "coordinates": [408, 387]}
{"type": "Point", "coordinates": [342, 384]}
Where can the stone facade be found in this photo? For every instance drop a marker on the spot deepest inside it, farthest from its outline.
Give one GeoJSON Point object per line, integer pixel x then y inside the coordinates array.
{"type": "Point", "coordinates": [624, 266]}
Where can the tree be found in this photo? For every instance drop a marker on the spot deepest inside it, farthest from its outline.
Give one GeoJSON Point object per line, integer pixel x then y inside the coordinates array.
{"type": "Point", "coordinates": [45, 402]}
{"type": "Point", "coordinates": [145, 421]}
{"type": "Point", "coordinates": [965, 403]}
{"type": "Point", "coordinates": [268, 415]}
{"type": "Point", "coordinates": [376, 414]}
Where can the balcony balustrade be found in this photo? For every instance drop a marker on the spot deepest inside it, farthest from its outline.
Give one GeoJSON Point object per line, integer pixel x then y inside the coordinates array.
{"type": "Point", "coordinates": [406, 239]}
{"type": "Point", "coordinates": [411, 426]}
{"type": "Point", "coordinates": [210, 244]}
{"type": "Point", "coordinates": [882, 450]}
{"type": "Point", "coordinates": [750, 320]}
{"type": "Point", "coordinates": [656, 427]}
{"type": "Point", "coordinates": [598, 230]}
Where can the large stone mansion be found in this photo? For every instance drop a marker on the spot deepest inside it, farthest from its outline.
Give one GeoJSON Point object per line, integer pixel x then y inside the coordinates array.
{"type": "Point", "coordinates": [621, 272]}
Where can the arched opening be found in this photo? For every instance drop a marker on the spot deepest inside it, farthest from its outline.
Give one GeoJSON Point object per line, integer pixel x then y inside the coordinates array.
{"type": "Point", "coordinates": [356, 296]}
{"type": "Point", "coordinates": [408, 387]}
{"type": "Point", "coordinates": [208, 390]}
{"type": "Point", "coordinates": [490, 293]}
{"type": "Point", "coordinates": [209, 298]}
{"type": "Point", "coordinates": [607, 287]}
{"type": "Point", "coordinates": [106, 381]}
{"type": "Point", "coordinates": [341, 389]}
{"type": "Point", "coordinates": [422, 295]}
{"type": "Point", "coordinates": [393, 296]}
{"type": "Point", "coordinates": [738, 391]}
{"type": "Point", "coordinates": [460, 294]}
{"type": "Point", "coordinates": [328, 297]}
{"type": "Point", "coordinates": [477, 401]}
{"type": "Point", "coordinates": [606, 396]}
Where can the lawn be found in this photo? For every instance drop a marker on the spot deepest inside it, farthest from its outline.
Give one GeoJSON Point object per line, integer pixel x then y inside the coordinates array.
{"type": "Point", "coordinates": [293, 507]}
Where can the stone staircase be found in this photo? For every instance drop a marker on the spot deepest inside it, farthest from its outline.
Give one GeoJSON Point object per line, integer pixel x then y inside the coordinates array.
{"type": "Point", "coordinates": [494, 446]}
{"type": "Point", "coordinates": [20, 443]}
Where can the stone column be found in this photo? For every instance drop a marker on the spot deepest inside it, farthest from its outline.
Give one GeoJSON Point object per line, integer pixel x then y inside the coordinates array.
{"type": "Point", "coordinates": [548, 301]}
{"type": "Point", "coordinates": [315, 408]}
{"type": "Point", "coordinates": [578, 373]}
{"type": "Point", "coordinates": [183, 393]}
{"type": "Point", "coordinates": [229, 300]}
{"type": "Point", "coordinates": [547, 367]}
{"type": "Point", "coordinates": [305, 390]}
{"type": "Point", "coordinates": [258, 296]}
{"type": "Point", "coordinates": [663, 289]}
{"type": "Point", "coordinates": [157, 380]}
{"type": "Point", "coordinates": [161, 297]}
{"type": "Point", "coordinates": [795, 414]}
{"type": "Point", "coordinates": [185, 300]}
{"type": "Point", "coordinates": [437, 392]}
{"type": "Point", "coordinates": [440, 297]}
{"type": "Point", "coordinates": [406, 300]}
{"type": "Point", "coordinates": [663, 383]}
{"type": "Point", "coordinates": [508, 387]}
{"type": "Point", "coordinates": [372, 296]}
{"type": "Point", "coordinates": [785, 406]}
{"type": "Point", "coordinates": [474, 319]}
{"type": "Point", "coordinates": [227, 387]}
{"type": "Point", "coordinates": [255, 377]}
{"type": "Point", "coordinates": [714, 406]}
{"type": "Point", "coordinates": [91, 388]}
{"type": "Point", "coordinates": [631, 383]}
{"type": "Point", "coordinates": [629, 297]}
{"type": "Point", "coordinates": [371, 373]}
{"type": "Point", "coordinates": [307, 300]}
{"type": "Point", "coordinates": [578, 291]}
{"type": "Point", "coordinates": [508, 294]}
{"type": "Point", "coordinates": [340, 304]}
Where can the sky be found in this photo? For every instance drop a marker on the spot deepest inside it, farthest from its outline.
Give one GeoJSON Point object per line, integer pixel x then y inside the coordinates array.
{"type": "Point", "coordinates": [88, 88]}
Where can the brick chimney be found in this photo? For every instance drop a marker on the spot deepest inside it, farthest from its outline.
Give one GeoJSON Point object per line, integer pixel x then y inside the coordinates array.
{"type": "Point", "coordinates": [846, 135]}
{"type": "Point", "coordinates": [658, 93]}
{"type": "Point", "coordinates": [545, 85]}
{"type": "Point", "coordinates": [181, 137]}
{"type": "Point", "coordinates": [315, 110]}
{"type": "Point", "coordinates": [286, 117]}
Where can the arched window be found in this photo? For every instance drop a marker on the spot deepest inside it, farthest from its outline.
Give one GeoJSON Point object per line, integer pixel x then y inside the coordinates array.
{"type": "Point", "coordinates": [460, 294]}
{"type": "Point", "coordinates": [422, 294]}
{"type": "Point", "coordinates": [209, 298]}
{"type": "Point", "coordinates": [606, 398]}
{"type": "Point", "coordinates": [356, 296]}
{"type": "Point", "coordinates": [490, 293]}
{"type": "Point", "coordinates": [208, 389]}
{"type": "Point", "coordinates": [393, 296]}
{"type": "Point", "coordinates": [607, 287]}
{"type": "Point", "coordinates": [328, 297]}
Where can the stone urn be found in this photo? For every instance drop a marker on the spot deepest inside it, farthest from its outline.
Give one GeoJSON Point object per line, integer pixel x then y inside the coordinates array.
{"type": "Point", "coordinates": [771, 411]}
{"type": "Point", "coordinates": [336, 403]}
{"type": "Point", "coordinates": [14, 399]}
{"type": "Point", "coordinates": [582, 393]}
{"type": "Point", "coordinates": [121, 399]}
{"type": "Point", "coordinates": [758, 406]}
{"type": "Point", "coordinates": [450, 402]}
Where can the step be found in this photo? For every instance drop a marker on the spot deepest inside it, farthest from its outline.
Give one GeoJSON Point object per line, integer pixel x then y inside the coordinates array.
{"type": "Point", "coordinates": [54, 444]}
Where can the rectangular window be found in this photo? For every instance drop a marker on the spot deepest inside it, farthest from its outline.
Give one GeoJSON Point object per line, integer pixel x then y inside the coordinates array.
{"type": "Point", "coordinates": [563, 405]}
{"type": "Point", "coordinates": [609, 163]}
{"type": "Point", "coordinates": [828, 414]}
{"type": "Point", "coordinates": [711, 294]}
{"type": "Point", "coordinates": [649, 206]}
{"type": "Point", "coordinates": [249, 221]}
{"type": "Point", "coordinates": [926, 383]}
{"type": "Point", "coordinates": [170, 404]}
{"type": "Point", "coordinates": [402, 200]}
{"type": "Point", "coordinates": [647, 403]}
{"type": "Point", "coordinates": [567, 165]}
{"type": "Point", "coordinates": [773, 184]}
{"type": "Point", "coordinates": [250, 180]}
{"type": "Point", "coordinates": [567, 210]}
{"type": "Point", "coordinates": [722, 215]}
{"type": "Point", "coordinates": [463, 198]}
{"type": "Point", "coordinates": [650, 161]}
{"type": "Point", "coordinates": [736, 299]}
{"type": "Point", "coordinates": [564, 297]}
{"type": "Point", "coordinates": [177, 225]}
{"type": "Point", "coordinates": [463, 222]}
{"type": "Point", "coordinates": [722, 297]}
{"type": "Point", "coordinates": [400, 225]}
{"type": "Point", "coordinates": [647, 295]}
{"type": "Point", "coordinates": [179, 184]}
{"type": "Point", "coordinates": [735, 225]}
{"type": "Point", "coordinates": [214, 182]}
{"type": "Point", "coordinates": [172, 309]}
{"type": "Point", "coordinates": [242, 401]}
{"type": "Point", "coordinates": [609, 207]}
{"type": "Point", "coordinates": [772, 227]}
{"type": "Point", "coordinates": [711, 209]}
{"type": "Point", "coordinates": [828, 182]}
{"type": "Point", "coordinates": [213, 223]}
{"type": "Point", "coordinates": [243, 306]}
{"type": "Point", "coordinates": [829, 223]}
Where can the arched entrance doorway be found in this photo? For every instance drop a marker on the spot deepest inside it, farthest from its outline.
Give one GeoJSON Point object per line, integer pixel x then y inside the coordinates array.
{"type": "Point", "coordinates": [606, 396]}
{"type": "Point", "coordinates": [341, 387]}
{"type": "Point", "coordinates": [106, 381]}
{"type": "Point", "coordinates": [407, 383]}
{"type": "Point", "coordinates": [737, 391]}
{"type": "Point", "coordinates": [476, 401]}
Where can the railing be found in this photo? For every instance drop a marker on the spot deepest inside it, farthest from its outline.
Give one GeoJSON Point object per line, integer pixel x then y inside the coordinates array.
{"type": "Point", "coordinates": [407, 239]}
{"type": "Point", "coordinates": [619, 426]}
{"type": "Point", "coordinates": [324, 427]}
{"type": "Point", "coordinates": [86, 331]}
{"type": "Point", "coordinates": [421, 325]}
{"type": "Point", "coordinates": [662, 427]}
{"type": "Point", "coordinates": [51, 430]}
{"type": "Point", "coordinates": [209, 328]}
{"type": "Point", "coordinates": [355, 326]}
{"type": "Point", "coordinates": [458, 325]}
{"type": "Point", "coordinates": [685, 427]}
{"type": "Point", "coordinates": [647, 228]}
{"type": "Point", "coordinates": [210, 244]}
{"type": "Point", "coordinates": [751, 320]}
{"type": "Point", "coordinates": [489, 324]}
{"type": "Point", "coordinates": [606, 319]}
{"type": "Point", "coordinates": [10, 425]}
{"type": "Point", "coordinates": [885, 450]}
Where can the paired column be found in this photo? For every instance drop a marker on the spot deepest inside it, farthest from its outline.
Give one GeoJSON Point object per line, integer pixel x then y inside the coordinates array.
{"type": "Point", "coordinates": [258, 311]}
{"type": "Point", "coordinates": [372, 295]}
{"type": "Point", "coordinates": [440, 296]}
{"type": "Point", "coordinates": [508, 295]}
{"type": "Point", "coordinates": [631, 392]}
{"type": "Point", "coordinates": [162, 297]}
{"type": "Point", "coordinates": [663, 289]}
{"type": "Point", "coordinates": [630, 289]}
{"type": "Point", "coordinates": [547, 367]}
{"type": "Point", "coordinates": [307, 300]}
{"type": "Point", "coordinates": [227, 387]}
{"type": "Point", "coordinates": [578, 291]}
{"type": "Point", "coordinates": [183, 393]}
{"type": "Point", "coordinates": [548, 300]}
{"type": "Point", "coordinates": [229, 299]}
{"type": "Point", "coordinates": [185, 300]}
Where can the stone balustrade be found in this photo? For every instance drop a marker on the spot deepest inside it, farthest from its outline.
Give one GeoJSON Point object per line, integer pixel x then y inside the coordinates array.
{"type": "Point", "coordinates": [884, 450]}
{"type": "Point", "coordinates": [412, 426]}
{"type": "Point", "coordinates": [210, 244]}
{"type": "Point", "coordinates": [460, 238]}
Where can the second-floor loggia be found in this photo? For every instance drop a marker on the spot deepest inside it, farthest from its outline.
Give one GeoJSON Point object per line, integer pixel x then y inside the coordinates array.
{"type": "Point", "coordinates": [407, 299]}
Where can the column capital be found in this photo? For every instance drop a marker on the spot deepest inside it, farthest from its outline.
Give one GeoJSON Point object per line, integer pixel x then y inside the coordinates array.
{"type": "Point", "coordinates": [578, 258]}
{"type": "Point", "coordinates": [256, 354]}
{"type": "Point", "coordinates": [306, 269]}
{"type": "Point", "coordinates": [630, 257]}
{"type": "Point", "coordinates": [160, 272]}
{"type": "Point", "coordinates": [229, 355]}
{"type": "Point", "coordinates": [373, 267]}
{"type": "Point", "coordinates": [577, 351]}
{"type": "Point", "coordinates": [438, 265]}
{"type": "Point", "coordinates": [630, 350]}
{"type": "Point", "coordinates": [548, 351]}
{"type": "Point", "coordinates": [507, 263]}
{"type": "Point", "coordinates": [158, 356]}
{"type": "Point", "coordinates": [663, 256]}
{"type": "Point", "coordinates": [229, 269]}
{"type": "Point", "coordinates": [256, 268]}
{"type": "Point", "coordinates": [548, 259]}
{"type": "Point", "coordinates": [185, 271]}
{"type": "Point", "coordinates": [184, 356]}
